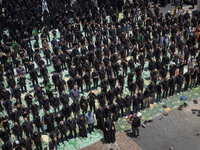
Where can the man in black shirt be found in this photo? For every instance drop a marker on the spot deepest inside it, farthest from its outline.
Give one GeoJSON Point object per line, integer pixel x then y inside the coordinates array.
{"type": "Point", "coordinates": [158, 91]}
{"type": "Point", "coordinates": [64, 98]}
{"type": "Point", "coordinates": [135, 122]}
{"type": "Point", "coordinates": [17, 130]}
{"type": "Point", "coordinates": [37, 140]}
{"type": "Point", "coordinates": [112, 82]}
{"type": "Point", "coordinates": [11, 83]}
{"type": "Point", "coordinates": [62, 130]}
{"type": "Point", "coordinates": [172, 83]}
{"type": "Point", "coordinates": [7, 145]}
{"type": "Point", "coordinates": [100, 117]}
{"type": "Point", "coordinates": [58, 68]}
{"type": "Point", "coordinates": [132, 87]}
{"type": "Point", "coordinates": [82, 127]}
{"type": "Point", "coordinates": [152, 64]}
{"type": "Point", "coordinates": [55, 103]}
{"type": "Point", "coordinates": [119, 101]}
{"type": "Point", "coordinates": [26, 143]}
{"type": "Point", "coordinates": [95, 77]}
{"type": "Point", "coordinates": [39, 123]}
{"type": "Point", "coordinates": [121, 80]}
{"type": "Point", "coordinates": [5, 135]}
{"type": "Point", "coordinates": [22, 83]}
{"type": "Point", "coordinates": [34, 110]}
{"type": "Point", "coordinates": [17, 94]}
{"type": "Point", "coordinates": [34, 77]}
{"type": "Point", "coordinates": [71, 124]}
{"type": "Point", "coordinates": [55, 79]}
{"type": "Point", "coordinates": [49, 121]}
{"type": "Point", "coordinates": [165, 85]}
{"type": "Point", "coordinates": [104, 84]}
{"type": "Point", "coordinates": [4, 121]}
{"type": "Point", "coordinates": [27, 127]}
{"type": "Point", "coordinates": [61, 87]}
{"type": "Point", "coordinates": [140, 98]}
{"type": "Point", "coordinates": [79, 82]}
{"type": "Point", "coordinates": [87, 81]}
{"type": "Point", "coordinates": [179, 81]}
{"type": "Point", "coordinates": [75, 108]}
{"type": "Point", "coordinates": [127, 104]}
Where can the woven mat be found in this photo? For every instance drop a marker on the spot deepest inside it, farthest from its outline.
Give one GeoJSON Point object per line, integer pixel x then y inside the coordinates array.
{"type": "Point", "coordinates": [167, 109]}
{"type": "Point", "coordinates": [123, 142]}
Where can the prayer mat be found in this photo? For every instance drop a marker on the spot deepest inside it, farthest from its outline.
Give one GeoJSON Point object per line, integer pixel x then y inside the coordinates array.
{"type": "Point", "coordinates": [167, 109]}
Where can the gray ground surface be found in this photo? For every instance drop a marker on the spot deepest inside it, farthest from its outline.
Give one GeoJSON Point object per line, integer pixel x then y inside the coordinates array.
{"type": "Point", "coordinates": [179, 130]}
{"type": "Point", "coordinates": [170, 7]}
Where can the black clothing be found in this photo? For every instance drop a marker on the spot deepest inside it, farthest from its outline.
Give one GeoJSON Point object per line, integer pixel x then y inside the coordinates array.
{"type": "Point", "coordinates": [71, 124]}
{"type": "Point", "coordinates": [109, 132]}
{"type": "Point", "coordinates": [49, 121]}
{"type": "Point", "coordinates": [82, 127]}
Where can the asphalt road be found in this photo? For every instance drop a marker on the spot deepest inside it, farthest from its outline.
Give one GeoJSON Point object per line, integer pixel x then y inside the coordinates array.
{"type": "Point", "coordinates": [181, 130]}
{"type": "Point", "coordinates": [170, 7]}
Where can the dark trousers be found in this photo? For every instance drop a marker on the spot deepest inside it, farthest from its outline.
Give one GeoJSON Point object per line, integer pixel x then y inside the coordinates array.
{"type": "Point", "coordinates": [192, 84]}
{"type": "Point", "coordinates": [72, 130]}
{"type": "Point", "coordinates": [84, 111]}
{"type": "Point", "coordinates": [197, 82]}
{"type": "Point", "coordinates": [63, 65]}
{"type": "Point", "coordinates": [152, 98]}
{"type": "Point", "coordinates": [80, 87]}
{"type": "Point", "coordinates": [76, 114]}
{"type": "Point", "coordinates": [40, 128]}
{"type": "Point", "coordinates": [122, 111]}
{"type": "Point", "coordinates": [141, 106]}
{"type": "Point", "coordinates": [179, 87]}
{"type": "Point", "coordinates": [125, 72]}
{"type": "Point", "coordinates": [128, 111]}
{"type": "Point", "coordinates": [158, 98]}
{"type": "Point", "coordinates": [56, 108]}
{"type": "Point", "coordinates": [19, 136]}
{"type": "Point", "coordinates": [63, 134]}
{"type": "Point", "coordinates": [26, 68]}
{"type": "Point", "coordinates": [88, 85]}
{"type": "Point", "coordinates": [56, 86]}
{"type": "Point", "coordinates": [95, 84]}
{"type": "Point", "coordinates": [171, 91]}
{"type": "Point", "coordinates": [91, 127]}
{"type": "Point", "coordinates": [165, 93]}
{"type": "Point", "coordinates": [23, 88]}
{"type": "Point", "coordinates": [135, 131]}
{"type": "Point", "coordinates": [6, 126]}
{"type": "Point", "coordinates": [132, 93]}
{"type": "Point", "coordinates": [147, 102]}
{"type": "Point", "coordinates": [186, 86]}
{"type": "Point", "coordinates": [19, 99]}
{"type": "Point", "coordinates": [48, 61]}
{"type": "Point", "coordinates": [35, 81]}
{"type": "Point", "coordinates": [92, 106]}
{"type": "Point", "coordinates": [115, 116]}
{"type": "Point", "coordinates": [29, 133]}
{"type": "Point", "coordinates": [38, 146]}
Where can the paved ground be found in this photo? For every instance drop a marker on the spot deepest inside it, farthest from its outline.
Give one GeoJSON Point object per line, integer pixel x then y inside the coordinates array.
{"type": "Point", "coordinates": [181, 129]}
{"type": "Point", "coordinates": [170, 7]}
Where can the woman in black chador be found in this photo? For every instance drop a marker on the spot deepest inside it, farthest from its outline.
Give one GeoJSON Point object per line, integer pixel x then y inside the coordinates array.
{"type": "Point", "coordinates": [109, 131]}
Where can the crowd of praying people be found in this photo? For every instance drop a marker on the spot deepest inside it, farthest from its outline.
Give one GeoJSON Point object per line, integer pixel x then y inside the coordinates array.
{"type": "Point", "coordinates": [104, 45]}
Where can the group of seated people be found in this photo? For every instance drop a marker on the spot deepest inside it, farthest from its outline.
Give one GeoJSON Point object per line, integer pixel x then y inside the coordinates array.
{"type": "Point", "coordinates": [133, 61]}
